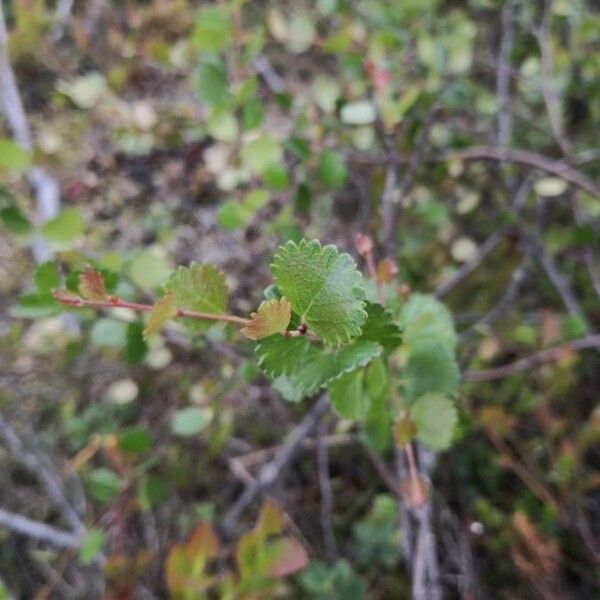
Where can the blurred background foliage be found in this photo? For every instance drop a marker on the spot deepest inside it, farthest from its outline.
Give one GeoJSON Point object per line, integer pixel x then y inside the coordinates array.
{"type": "Point", "coordinates": [178, 131]}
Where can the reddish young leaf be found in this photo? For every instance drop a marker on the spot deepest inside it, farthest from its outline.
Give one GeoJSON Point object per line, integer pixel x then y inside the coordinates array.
{"type": "Point", "coordinates": [364, 244]}
{"type": "Point", "coordinates": [67, 297]}
{"type": "Point", "coordinates": [203, 542]}
{"type": "Point", "coordinates": [291, 557]}
{"type": "Point", "coordinates": [272, 316]}
{"type": "Point", "coordinates": [91, 285]}
{"type": "Point", "coordinates": [386, 270]}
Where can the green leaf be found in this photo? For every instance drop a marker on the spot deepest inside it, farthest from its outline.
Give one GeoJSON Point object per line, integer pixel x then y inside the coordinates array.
{"type": "Point", "coordinates": [191, 421]}
{"type": "Point", "coordinates": [64, 228]}
{"type": "Point", "coordinates": [380, 327]}
{"type": "Point", "coordinates": [324, 288]}
{"type": "Point", "coordinates": [308, 367]}
{"type": "Point", "coordinates": [151, 491]}
{"type": "Point", "coordinates": [253, 114]}
{"type": "Point", "coordinates": [85, 91]}
{"type": "Point", "coordinates": [362, 112]}
{"type": "Point", "coordinates": [377, 535]}
{"type": "Point", "coordinates": [201, 288]}
{"type": "Point", "coordinates": [212, 31]}
{"type": "Point", "coordinates": [91, 546]}
{"type": "Point", "coordinates": [109, 333]}
{"type": "Point", "coordinates": [332, 169]}
{"type": "Point", "coordinates": [14, 220]}
{"type": "Point", "coordinates": [336, 582]}
{"type": "Point", "coordinates": [435, 418]}
{"type": "Point", "coordinates": [234, 214]}
{"type": "Point", "coordinates": [303, 198]}
{"type": "Point", "coordinates": [272, 316]}
{"type": "Point", "coordinates": [424, 319]}
{"type": "Point", "coordinates": [347, 397]}
{"type": "Point", "coordinates": [135, 349]}
{"type": "Point", "coordinates": [276, 177]}
{"type": "Point", "coordinates": [278, 355]}
{"type": "Point", "coordinates": [363, 395]}
{"type": "Point", "coordinates": [285, 386]}
{"type": "Point", "coordinates": [149, 268]}
{"type": "Point", "coordinates": [377, 422]}
{"type": "Point", "coordinates": [431, 367]}
{"type": "Point", "coordinates": [300, 147]}
{"type": "Point", "coordinates": [47, 277]}
{"type": "Point", "coordinates": [135, 440]}
{"type": "Point", "coordinates": [103, 485]}
{"type": "Point", "coordinates": [223, 126]}
{"type": "Point", "coordinates": [325, 91]}
{"type": "Point", "coordinates": [161, 312]}
{"type": "Point", "coordinates": [34, 306]}
{"type": "Point", "coordinates": [212, 84]}
{"type": "Point", "coordinates": [301, 33]}
{"type": "Point", "coordinates": [260, 153]}
{"type": "Point", "coordinates": [13, 157]}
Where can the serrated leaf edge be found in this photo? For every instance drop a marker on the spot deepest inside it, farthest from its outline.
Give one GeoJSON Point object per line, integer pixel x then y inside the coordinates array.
{"type": "Point", "coordinates": [183, 269]}
{"type": "Point", "coordinates": [356, 285]}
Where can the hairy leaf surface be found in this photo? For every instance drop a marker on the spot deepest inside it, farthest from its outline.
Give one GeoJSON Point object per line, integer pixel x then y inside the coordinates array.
{"type": "Point", "coordinates": [431, 367]}
{"type": "Point", "coordinates": [161, 312]}
{"type": "Point", "coordinates": [272, 316]}
{"type": "Point", "coordinates": [423, 319]}
{"type": "Point", "coordinates": [201, 288]}
{"type": "Point", "coordinates": [307, 367]}
{"type": "Point", "coordinates": [324, 288]}
{"type": "Point", "coordinates": [435, 418]}
{"type": "Point", "coordinates": [380, 327]}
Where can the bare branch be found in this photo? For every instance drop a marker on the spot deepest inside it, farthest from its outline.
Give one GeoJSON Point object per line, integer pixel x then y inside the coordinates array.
{"type": "Point", "coordinates": [488, 246]}
{"type": "Point", "coordinates": [326, 493]}
{"type": "Point", "coordinates": [272, 470]}
{"type": "Point", "coordinates": [272, 78]}
{"type": "Point", "coordinates": [524, 364]}
{"type": "Point", "coordinates": [551, 98]}
{"type": "Point", "coordinates": [558, 279]}
{"type": "Point", "coordinates": [510, 294]}
{"type": "Point", "coordinates": [49, 480]}
{"type": "Point", "coordinates": [485, 249]}
{"type": "Point", "coordinates": [39, 531]}
{"type": "Point", "coordinates": [45, 187]}
{"type": "Point", "coordinates": [532, 159]}
{"type": "Point", "coordinates": [503, 75]}
{"type": "Point", "coordinates": [559, 168]}
{"type": "Point", "coordinates": [62, 15]}
{"type": "Point", "coordinates": [391, 211]}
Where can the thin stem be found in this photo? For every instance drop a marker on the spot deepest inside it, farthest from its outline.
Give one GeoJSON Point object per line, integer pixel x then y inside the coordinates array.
{"type": "Point", "coordinates": [114, 302]}
{"type": "Point", "coordinates": [416, 487]}
{"type": "Point", "coordinates": [373, 273]}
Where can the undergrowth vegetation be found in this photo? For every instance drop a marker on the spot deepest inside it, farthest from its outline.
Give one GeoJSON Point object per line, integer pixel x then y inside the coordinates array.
{"type": "Point", "coordinates": [199, 399]}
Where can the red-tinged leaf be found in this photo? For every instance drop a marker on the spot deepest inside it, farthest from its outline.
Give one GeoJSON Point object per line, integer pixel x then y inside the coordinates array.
{"type": "Point", "coordinates": [363, 244]}
{"type": "Point", "coordinates": [270, 520]}
{"type": "Point", "coordinates": [272, 316]}
{"type": "Point", "coordinates": [386, 270]}
{"type": "Point", "coordinates": [177, 568]}
{"type": "Point", "coordinates": [291, 557]}
{"type": "Point", "coordinates": [204, 542]}
{"type": "Point", "coordinates": [404, 430]}
{"type": "Point", "coordinates": [91, 286]}
{"type": "Point", "coordinates": [67, 297]}
{"type": "Point", "coordinates": [185, 567]}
